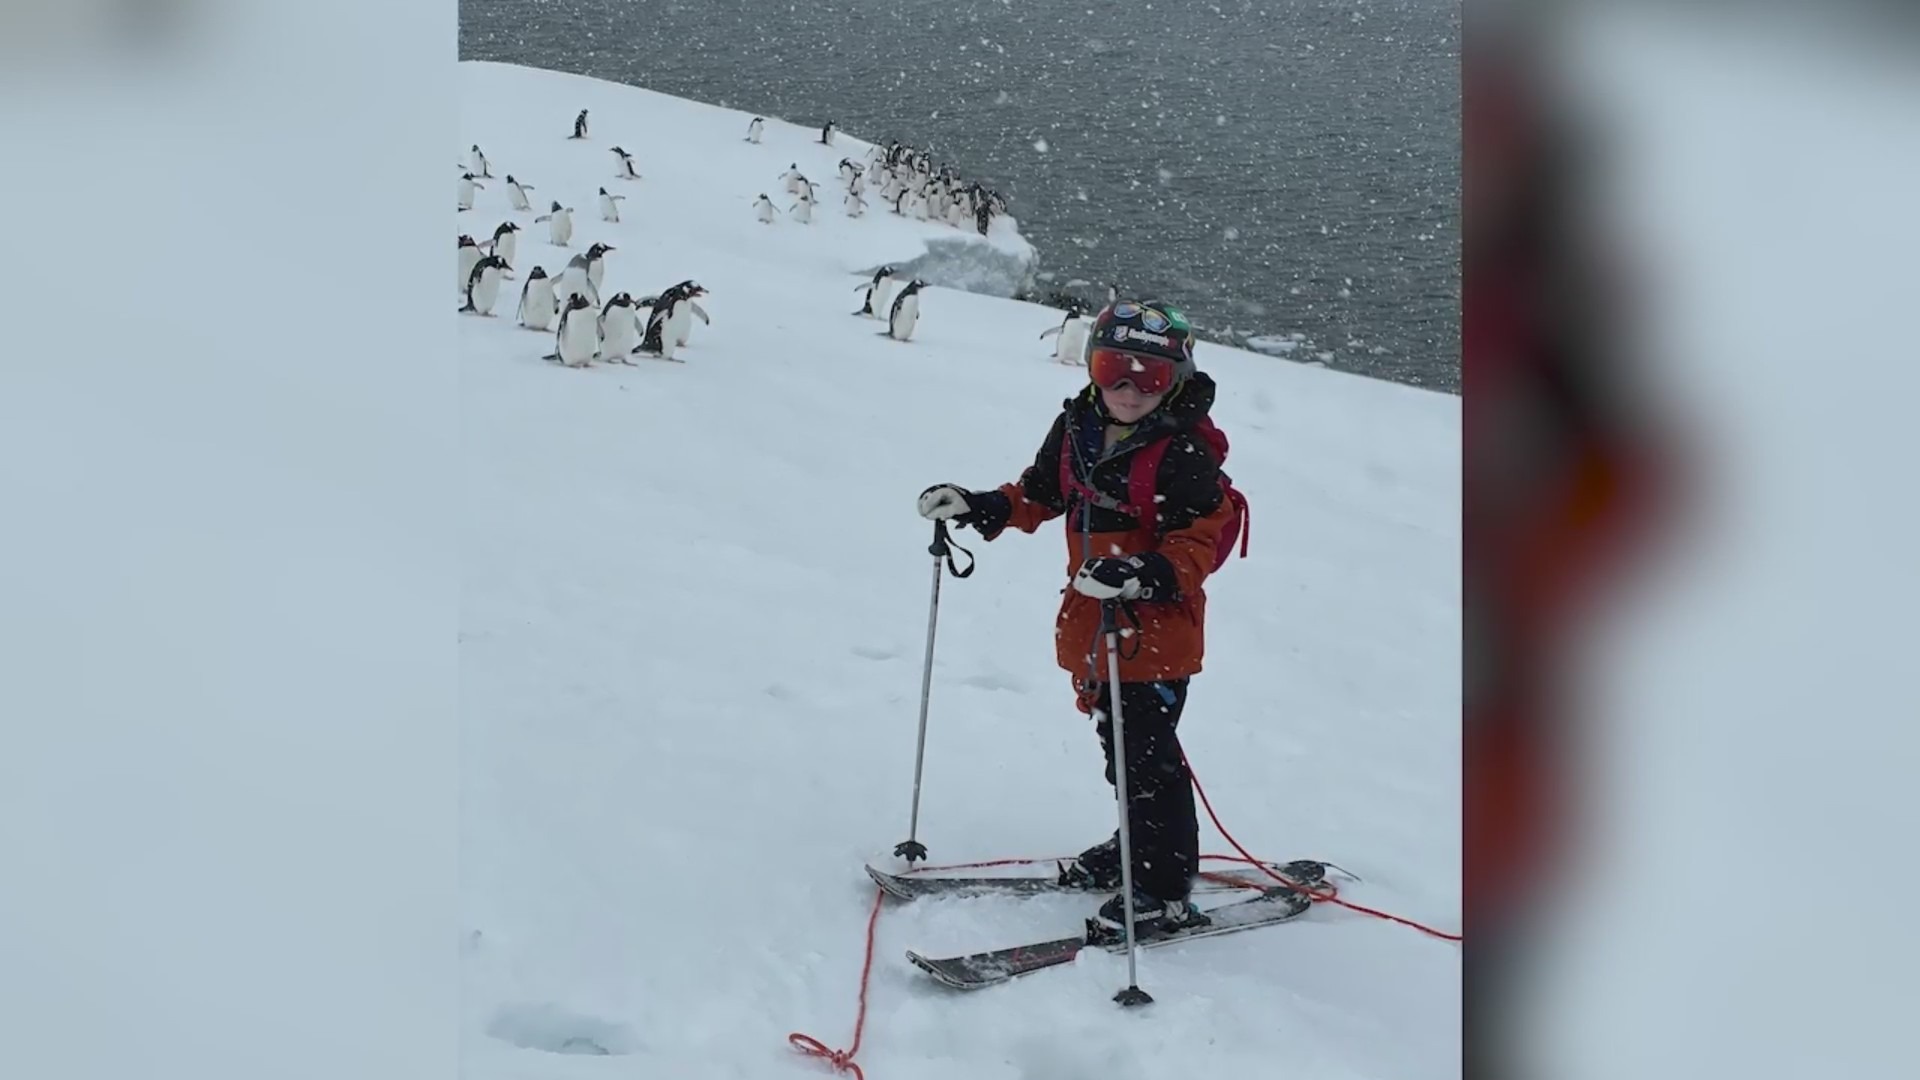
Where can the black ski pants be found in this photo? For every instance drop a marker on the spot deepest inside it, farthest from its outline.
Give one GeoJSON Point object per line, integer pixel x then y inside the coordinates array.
{"type": "Point", "coordinates": [1162, 826]}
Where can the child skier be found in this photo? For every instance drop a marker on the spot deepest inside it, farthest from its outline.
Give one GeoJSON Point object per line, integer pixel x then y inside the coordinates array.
{"type": "Point", "coordinates": [1144, 397]}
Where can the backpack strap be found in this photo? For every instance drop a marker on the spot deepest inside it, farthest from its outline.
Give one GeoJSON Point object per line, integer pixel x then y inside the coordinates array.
{"type": "Point", "coordinates": [1143, 477]}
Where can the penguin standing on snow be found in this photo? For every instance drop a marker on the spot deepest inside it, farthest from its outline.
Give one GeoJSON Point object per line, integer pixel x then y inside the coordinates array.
{"type": "Point", "coordinates": [877, 290]}
{"type": "Point", "coordinates": [826, 134]}
{"type": "Point", "coordinates": [483, 287]}
{"type": "Point", "coordinates": [610, 206]}
{"type": "Point", "coordinates": [803, 205]}
{"type": "Point", "coordinates": [683, 329]}
{"type": "Point", "coordinates": [853, 204]}
{"type": "Point", "coordinates": [597, 264]}
{"type": "Point", "coordinates": [467, 186]}
{"type": "Point", "coordinates": [469, 254]}
{"type": "Point", "coordinates": [906, 311]}
{"type": "Point", "coordinates": [573, 282]}
{"type": "Point", "coordinates": [754, 127]}
{"type": "Point", "coordinates": [578, 340]}
{"type": "Point", "coordinates": [626, 165]}
{"type": "Point", "coordinates": [517, 193]}
{"type": "Point", "coordinates": [1072, 346]}
{"type": "Point", "coordinates": [537, 307]}
{"type": "Point", "coordinates": [504, 241]}
{"type": "Point", "coordinates": [480, 164]}
{"type": "Point", "coordinates": [763, 209]}
{"type": "Point", "coordinates": [619, 329]}
{"type": "Point", "coordinates": [793, 179]}
{"type": "Point", "coordinates": [579, 126]}
{"type": "Point", "coordinates": [559, 225]}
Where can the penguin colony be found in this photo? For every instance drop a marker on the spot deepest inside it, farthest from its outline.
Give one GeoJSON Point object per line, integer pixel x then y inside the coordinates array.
{"type": "Point", "coordinates": [587, 330]}
{"type": "Point", "coordinates": [567, 304]}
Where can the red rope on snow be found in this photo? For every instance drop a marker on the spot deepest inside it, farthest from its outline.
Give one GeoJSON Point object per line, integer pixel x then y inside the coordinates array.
{"type": "Point", "coordinates": [1327, 894]}
{"type": "Point", "coordinates": [842, 1060]}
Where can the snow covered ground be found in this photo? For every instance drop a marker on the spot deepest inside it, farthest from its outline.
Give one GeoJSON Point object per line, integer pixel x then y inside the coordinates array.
{"type": "Point", "coordinates": [693, 611]}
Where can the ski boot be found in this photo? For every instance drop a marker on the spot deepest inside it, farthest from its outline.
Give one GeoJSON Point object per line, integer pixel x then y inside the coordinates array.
{"type": "Point", "coordinates": [1151, 916]}
{"type": "Point", "coordinates": [1096, 869]}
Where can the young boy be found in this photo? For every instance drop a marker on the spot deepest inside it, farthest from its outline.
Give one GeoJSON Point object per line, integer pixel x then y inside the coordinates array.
{"type": "Point", "coordinates": [1143, 389]}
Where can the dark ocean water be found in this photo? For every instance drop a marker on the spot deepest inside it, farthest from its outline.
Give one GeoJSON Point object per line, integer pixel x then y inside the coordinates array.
{"type": "Point", "coordinates": [1280, 168]}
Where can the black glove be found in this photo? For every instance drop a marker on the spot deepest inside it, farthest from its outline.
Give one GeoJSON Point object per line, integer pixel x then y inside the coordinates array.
{"type": "Point", "coordinates": [1147, 576]}
{"type": "Point", "coordinates": [986, 511]}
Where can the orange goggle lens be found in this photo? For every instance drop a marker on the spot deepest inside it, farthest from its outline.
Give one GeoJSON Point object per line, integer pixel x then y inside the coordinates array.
{"type": "Point", "coordinates": [1112, 367]}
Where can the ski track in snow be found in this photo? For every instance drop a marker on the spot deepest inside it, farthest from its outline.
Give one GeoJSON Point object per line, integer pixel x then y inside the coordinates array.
{"type": "Point", "coordinates": [694, 608]}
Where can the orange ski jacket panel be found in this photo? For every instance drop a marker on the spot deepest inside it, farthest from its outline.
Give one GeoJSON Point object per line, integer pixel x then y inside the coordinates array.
{"type": "Point", "coordinates": [1170, 641]}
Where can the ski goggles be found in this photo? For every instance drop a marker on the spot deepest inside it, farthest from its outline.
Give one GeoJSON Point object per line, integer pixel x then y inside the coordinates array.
{"type": "Point", "coordinates": [1149, 318]}
{"type": "Point", "coordinates": [1114, 368]}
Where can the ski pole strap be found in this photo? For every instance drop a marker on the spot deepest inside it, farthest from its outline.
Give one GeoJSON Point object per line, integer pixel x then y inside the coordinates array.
{"type": "Point", "coordinates": [943, 547]}
{"type": "Point", "coordinates": [1110, 612]}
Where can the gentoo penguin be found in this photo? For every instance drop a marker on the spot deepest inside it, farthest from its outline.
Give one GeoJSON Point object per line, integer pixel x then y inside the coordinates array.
{"type": "Point", "coordinates": [469, 254]}
{"type": "Point", "coordinates": [579, 126]}
{"type": "Point", "coordinates": [826, 134]}
{"type": "Point", "coordinates": [1072, 346]}
{"type": "Point", "coordinates": [663, 330]}
{"type": "Point", "coordinates": [626, 165]}
{"type": "Point", "coordinates": [505, 239]}
{"type": "Point", "coordinates": [573, 281]}
{"type": "Point", "coordinates": [597, 264]}
{"type": "Point", "coordinates": [517, 193]}
{"type": "Point", "coordinates": [906, 311]}
{"type": "Point", "coordinates": [467, 186]}
{"type": "Point", "coordinates": [619, 329]}
{"type": "Point", "coordinates": [610, 206]}
{"type": "Point", "coordinates": [763, 209]}
{"type": "Point", "coordinates": [848, 170]}
{"type": "Point", "coordinates": [559, 225]}
{"type": "Point", "coordinates": [853, 204]}
{"type": "Point", "coordinates": [479, 164]}
{"type": "Point", "coordinates": [683, 329]}
{"type": "Point", "coordinates": [803, 206]}
{"type": "Point", "coordinates": [537, 308]}
{"type": "Point", "coordinates": [578, 340]}
{"type": "Point", "coordinates": [483, 288]}
{"type": "Point", "coordinates": [876, 299]}
{"type": "Point", "coordinates": [793, 179]}
{"type": "Point", "coordinates": [754, 127]}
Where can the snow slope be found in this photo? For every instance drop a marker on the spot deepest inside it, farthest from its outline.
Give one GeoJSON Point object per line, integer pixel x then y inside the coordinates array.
{"type": "Point", "coordinates": [694, 606]}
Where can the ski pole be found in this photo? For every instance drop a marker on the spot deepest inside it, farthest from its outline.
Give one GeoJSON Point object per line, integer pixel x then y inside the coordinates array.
{"type": "Point", "coordinates": [1110, 626]}
{"type": "Point", "coordinates": [911, 848]}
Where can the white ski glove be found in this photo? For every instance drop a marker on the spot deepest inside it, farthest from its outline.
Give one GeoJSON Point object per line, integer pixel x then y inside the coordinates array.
{"type": "Point", "coordinates": [943, 501]}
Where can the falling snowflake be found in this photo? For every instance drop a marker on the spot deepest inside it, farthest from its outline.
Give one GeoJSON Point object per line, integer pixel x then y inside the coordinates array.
{"type": "Point", "coordinates": [1040, 144]}
{"type": "Point", "coordinates": [1231, 233]}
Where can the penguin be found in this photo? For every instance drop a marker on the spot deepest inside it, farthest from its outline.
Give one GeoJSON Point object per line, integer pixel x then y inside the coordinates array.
{"type": "Point", "coordinates": [517, 193]}
{"type": "Point", "coordinates": [483, 287]}
{"type": "Point", "coordinates": [537, 307]}
{"type": "Point", "coordinates": [683, 328]}
{"type": "Point", "coordinates": [763, 209]}
{"type": "Point", "coordinates": [657, 338]}
{"type": "Point", "coordinates": [877, 290]}
{"type": "Point", "coordinates": [626, 165]}
{"type": "Point", "coordinates": [848, 170]}
{"type": "Point", "coordinates": [579, 126]}
{"type": "Point", "coordinates": [803, 207]}
{"type": "Point", "coordinates": [619, 329]}
{"type": "Point", "coordinates": [573, 281]}
{"type": "Point", "coordinates": [793, 179]}
{"type": "Point", "coordinates": [559, 225]}
{"type": "Point", "coordinates": [754, 128]}
{"type": "Point", "coordinates": [853, 204]}
{"type": "Point", "coordinates": [906, 312]}
{"type": "Point", "coordinates": [857, 185]}
{"type": "Point", "coordinates": [1072, 346]}
{"type": "Point", "coordinates": [505, 240]}
{"type": "Point", "coordinates": [597, 264]}
{"type": "Point", "coordinates": [826, 134]}
{"type": "Point", "coordinates": [469, 254]}
{"type": "Point", "coordinates": [467, 186]}
{"type": "Point", "coordinates": [610, 206]}
{"type": "Point", "coordinates": [480, 165]}
{"type": "Point", "coordinates": [577, 341]}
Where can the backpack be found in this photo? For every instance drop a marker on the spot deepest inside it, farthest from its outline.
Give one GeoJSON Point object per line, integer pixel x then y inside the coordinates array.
{"type": "Point", "coordinates": [1144, 470]}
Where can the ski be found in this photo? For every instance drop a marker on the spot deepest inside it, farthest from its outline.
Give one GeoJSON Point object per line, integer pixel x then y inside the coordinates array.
{"type": "Point", "coordinates": [914, 886]}
{"type": "Point", "coordinates": [975, 971]}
